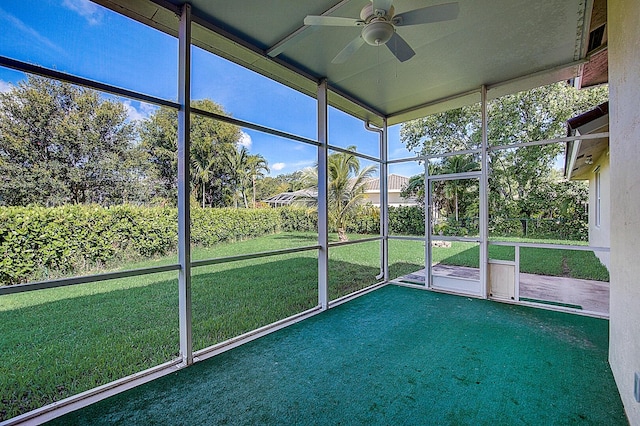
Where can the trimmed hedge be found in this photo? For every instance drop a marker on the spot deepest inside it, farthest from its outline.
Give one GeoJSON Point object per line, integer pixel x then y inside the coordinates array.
{"type": "Point", "coordinates": [406, 220]}
{"type": "Point", "coordinates": [42, 243]}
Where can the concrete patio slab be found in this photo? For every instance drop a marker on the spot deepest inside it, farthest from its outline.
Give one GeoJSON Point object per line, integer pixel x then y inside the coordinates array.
{"type": "Point", "coordinates": [589, 295]}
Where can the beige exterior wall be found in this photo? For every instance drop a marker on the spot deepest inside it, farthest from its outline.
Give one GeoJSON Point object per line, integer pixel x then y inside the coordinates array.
{"type": "Point", "coordinates": [395, 199]}
{"type": "Point", "coordinates": [600, 235]}
{"type": "Point", "coordinates": [624, 144]}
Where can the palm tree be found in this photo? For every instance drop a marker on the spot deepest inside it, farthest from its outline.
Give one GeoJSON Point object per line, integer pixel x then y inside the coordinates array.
{"type": "Point", "coordinates": [256, 165]}
{"type": "Point", "coordinates": [203, 172]}
{"type": "Point", "coordinates": [244, 169]}
{"type": "Point", "coordinates": [457, 164]}
{"type": "Point", "coordinates": [237, 162]}
{"type": "Point", "coordinates": [346, 187]}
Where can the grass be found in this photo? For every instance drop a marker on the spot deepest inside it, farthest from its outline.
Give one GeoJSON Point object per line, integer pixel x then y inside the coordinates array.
{"type": "Point", "coordinates": [395, 356]}
{"type": "Point", "coordinates": [540, 261]}
{"type": "Point", "coordinates": [59, 342]}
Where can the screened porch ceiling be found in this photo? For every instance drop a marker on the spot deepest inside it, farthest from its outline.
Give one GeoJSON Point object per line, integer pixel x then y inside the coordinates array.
{"type": "Point", "coordinates": [507, 45]}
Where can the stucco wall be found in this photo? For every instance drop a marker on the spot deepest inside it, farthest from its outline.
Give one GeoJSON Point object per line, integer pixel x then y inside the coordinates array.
{"type": "Point", "coordinates": [394, 199]}
{"type": "Point", "coordinates": [624, 144]}
{"type": "Point", "coordinates": [600, 236]}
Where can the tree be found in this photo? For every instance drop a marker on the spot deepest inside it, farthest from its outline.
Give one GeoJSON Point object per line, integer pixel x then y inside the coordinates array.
{"type": "Point", "coordinates": [346, 187]}
{"type": "Point", "coordinates": [211, 142]}
{"type": "Point", "coordinates": [244, 170]}
{"type": "Point", "coordinates": [257, 165]}
{"type": "Point", "coordinates": [457, 164]}
{"type": "Point", "coordinates": [269, 186]}
{"type": "Point", "coordinates": [450, 131]}
{"type": "Point", "coordinates": [64, 144]}
{"type": "Point", "coordinates": [203, 172]}
{"type": "Point", "coordinates": [237, 167]}
{"type": "Point", "coordinates": [515, 174]}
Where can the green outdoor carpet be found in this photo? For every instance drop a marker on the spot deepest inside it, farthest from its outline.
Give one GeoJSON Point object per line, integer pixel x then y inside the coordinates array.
{"type": "Point", "coordinates": [396, 356]}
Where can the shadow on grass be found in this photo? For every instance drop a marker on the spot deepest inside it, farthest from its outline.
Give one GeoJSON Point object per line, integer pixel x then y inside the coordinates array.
{"type": "Point", "coordinates": [60, 348]}
{"type": "Point", "coordinates": [400, 269]}
{"type": "Point", "coordinates": [312, 239]}
{"type": "Point", "coordinates": [540, 261]}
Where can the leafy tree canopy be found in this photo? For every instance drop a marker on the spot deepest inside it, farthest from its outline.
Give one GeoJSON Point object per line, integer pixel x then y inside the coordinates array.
{"type": "Point", "coordinates": [212, 141]}
{"type": "Point", "coordinates": [64, 144]}
{"type": "Point", "coordinates": [345, 192]}
{"type": "Point", "coordinates": [516, 175]}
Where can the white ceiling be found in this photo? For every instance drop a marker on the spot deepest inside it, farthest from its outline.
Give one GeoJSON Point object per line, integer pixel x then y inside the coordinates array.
{"type": "Point", "coordinates": [507, 45]}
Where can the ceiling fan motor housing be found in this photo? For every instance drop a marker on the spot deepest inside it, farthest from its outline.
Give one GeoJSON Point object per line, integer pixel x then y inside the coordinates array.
{"type": "Point", "coordinates": [377, 33]}
{"type": "Point", "coordinates": [378, 28]}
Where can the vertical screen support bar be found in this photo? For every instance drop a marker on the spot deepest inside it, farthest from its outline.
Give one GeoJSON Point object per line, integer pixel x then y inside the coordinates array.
{"type": "Point", "coordinates": [384, 202]}
{"type": "Point", "coordinates": [323, 183]}
{"type": "Point", "coordinates": [384, 199]}
{"type": "Point", "coordinates": [184, 214]}
{"type": "Point", "coordinates": [428, 212]}
{"type": "Point", "coordinates": [484, 198]}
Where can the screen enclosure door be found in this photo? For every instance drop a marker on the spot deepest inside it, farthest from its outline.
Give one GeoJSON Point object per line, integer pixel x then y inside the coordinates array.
{"type": "Point", "coordinates": [453, 238]}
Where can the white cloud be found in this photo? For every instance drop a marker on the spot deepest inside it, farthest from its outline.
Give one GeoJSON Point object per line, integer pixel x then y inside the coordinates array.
{"type": "Point", "coordinates": [85, 8]}
{"type": "Point", "coordinates": [278, 166]}
{"type": "Point", "coordinates": [305, 164]}
{"type": "Point", "coordinates": [141, 113]}
{"type": "Point", "coordinates": [30, 32]}
{"type": "Point", "coordinates": [245, 140]}
{"type": "Point", "coordinates": [5, 86]}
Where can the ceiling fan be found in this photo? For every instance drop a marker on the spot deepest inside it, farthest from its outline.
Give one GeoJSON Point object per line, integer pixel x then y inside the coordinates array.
{"type": "Point", "coordinates": [379, 23]}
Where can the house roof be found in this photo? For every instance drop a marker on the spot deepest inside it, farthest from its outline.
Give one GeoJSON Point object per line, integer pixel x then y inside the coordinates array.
{"type": "Point", "coordinates": [395, 183]}
{"type": "Point", "coordinates": [506, 45]}
{"type": "Point", "coordinates": [581, 154]}
{"type": "Point", "coordinates": [596, 70]}
{"type": "Point", "coordinates": [287, 198]}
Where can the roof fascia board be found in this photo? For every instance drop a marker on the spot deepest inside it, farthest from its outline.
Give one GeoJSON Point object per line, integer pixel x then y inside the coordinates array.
{"type": "Point", "coordinates": [494, 91]}
{"type": "Point", "coordinates": [440, 105]}
{"type": "Point", "coordinates": [574, 147]}
{"type": "Point", "coordinates": [533, 80]}
{"type": "Point", "coordinates": [582, 44]}
{"type": "Point", "coordinates": [593, 125]}
{"type": "Point", "coordinates": [158, 14]}
{"type": "Point", "coordinates": [353, 106]}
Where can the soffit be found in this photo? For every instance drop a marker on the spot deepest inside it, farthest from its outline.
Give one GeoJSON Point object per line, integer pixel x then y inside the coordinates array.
{"type": "Point", "coordinates": [507, 45]}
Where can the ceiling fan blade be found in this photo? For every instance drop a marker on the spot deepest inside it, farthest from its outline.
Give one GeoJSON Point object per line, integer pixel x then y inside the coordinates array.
{"type": "Point", "coordinates": [382, 4]}
{"type": "Point", "coordinates": [348, 51]}
{"type": "Point", "coordinates": [331, 21]}
{"type": "Point", "coordinates": [429, 14]}
{"type": "Point", "coordinates": [400, 48]}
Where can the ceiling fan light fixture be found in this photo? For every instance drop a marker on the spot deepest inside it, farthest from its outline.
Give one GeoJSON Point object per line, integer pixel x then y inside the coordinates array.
{"type": "Point", "coordinates": [378, 23]}
{"type": "Point", "coordinates": [377, 32]}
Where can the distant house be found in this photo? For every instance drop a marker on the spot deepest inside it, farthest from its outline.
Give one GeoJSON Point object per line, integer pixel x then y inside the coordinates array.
{"type": "Point", "coordinates": [396, 184]}
{"type": "Point", "coordinates": [588, 159]}
{"type": "Point", "coordinates": [288, 198]}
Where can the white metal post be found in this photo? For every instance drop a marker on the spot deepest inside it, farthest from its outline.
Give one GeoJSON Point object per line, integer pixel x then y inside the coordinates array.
{"type": "Point", "coordinates": [427, 225]}
{"type": "Point", "coordinates": [484, 199]}
{"type": "Point", "coordinates": [384, 202]}
{"type": "Point", "coordinates": [516, 292]}
{"type": "Point", "coordinates": [323, 215]}
{"type": "Point", "coordinates": [184, 215]}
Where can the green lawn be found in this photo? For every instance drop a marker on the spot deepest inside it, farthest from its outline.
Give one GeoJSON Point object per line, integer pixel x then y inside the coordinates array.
{"type": "Point", "coordinates": [540, 261]}
{"type": "Point", "coordinates": [59, 342]}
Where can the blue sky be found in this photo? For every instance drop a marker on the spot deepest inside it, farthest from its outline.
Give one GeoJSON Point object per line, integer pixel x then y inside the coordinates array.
{"type": "Point", "coordinates": [82, 38]}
